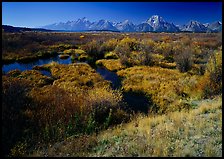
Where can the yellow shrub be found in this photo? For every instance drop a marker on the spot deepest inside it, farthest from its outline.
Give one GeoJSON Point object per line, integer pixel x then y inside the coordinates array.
{"type": "Point", "coordinates": [111, 55]}
{"type": "Point", "coordinates": [112, 64]}
{"type": "Point", "coordinates": [164, 85]}
{"type": "Point", "coordinates": [69, 51]}
{"type": "Point", "coordinates": [211, 83]}
{"type": "Point", "coordinates": [79, 51]}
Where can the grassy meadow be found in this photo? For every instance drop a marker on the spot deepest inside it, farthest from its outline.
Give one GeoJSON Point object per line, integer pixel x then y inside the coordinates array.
{"type": "Point", "coordinates": [76, 112]}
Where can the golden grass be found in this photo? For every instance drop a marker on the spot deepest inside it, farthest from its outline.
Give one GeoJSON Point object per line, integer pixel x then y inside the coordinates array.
{"type": "Point", "coordinates": [33, 76]}
{"type": "Point", "coordinates": [112, 64]}
{"type": "Point", "coordinates": [69, 51]}
{"type": "Point", "coordinates": [79, 51]}
{"type": "Point", "coordinates": [194, 133]}
{"type": "Point", "coordinates": [168, 88]}
{"type": "Point", "coordinates": [167, 65]}
{"type": "Point", "coordinates": [177, 134]}
{"type": "Point", "coordinates": [111, 55]}
{"type": "Point", "coordinates": [75, 75]}
{"type": "Point", "coordinates": [63, 56]}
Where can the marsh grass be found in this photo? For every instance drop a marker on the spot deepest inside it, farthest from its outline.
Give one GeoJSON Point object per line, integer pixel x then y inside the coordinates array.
{"type": "Point", "coordinates": [111, 64]}
{"type": "Point", "coordinates": [74, 106]}
{"type": "Point", "coordinates": [193, 133]}
{"type": "Point", "coordinates": [165, 86]}
{"type": "Point", "coordinates": [197, 132]}
{"type": "Point", "coordinates": [78, 102]}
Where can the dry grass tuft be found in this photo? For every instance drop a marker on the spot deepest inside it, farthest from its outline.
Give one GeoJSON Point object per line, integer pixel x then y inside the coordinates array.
{"type": "Point", "coordinates": [180, 134]}
{"type": "Point", "coordinates": [169, 89]}
{"type": "Point", "coordinates": [112, 64]}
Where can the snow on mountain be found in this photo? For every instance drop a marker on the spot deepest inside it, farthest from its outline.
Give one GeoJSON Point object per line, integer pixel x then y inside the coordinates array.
{"type": "Point", "coordinates": [194, 26]}
{"type": "Point", "coordinates": [143, 27]}
{"type": "Point", "coordinates": [55, 26]}
{"type": "Point", "coordinates": [102, 25]}
{"type": "Point", "coordinates": [125, 26]}
{"type": "Point", "coordinates": [155, 23]}
{"type": "Point", "coordinates": [206, 25]}
{"type": "Point", "coordinates": [215, 26]}
{"type": "Point", "coordinates": [160, 25]}
{"type": "Point", "coordinates": [81, 24]}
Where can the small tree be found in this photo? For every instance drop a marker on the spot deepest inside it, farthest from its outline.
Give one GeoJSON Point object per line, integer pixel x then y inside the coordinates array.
{"type": "Point", "coordinates": [146, 49]}
{"type": "Point", "coordinates": [124, 53]}
{"type": "Point", "coordinates": [213, 74]}
{"type": "Point", "coordinates": [183, 59]}
{"type": "Point", "coordinates": [92, 49]}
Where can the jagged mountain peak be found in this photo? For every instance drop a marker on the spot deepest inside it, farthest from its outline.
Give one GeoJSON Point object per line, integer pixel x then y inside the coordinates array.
{"type": "Point", "coordinates": [102, 25]}
{"type": "Point", "coordinates": [193, 22]}
{"type": "Point", "coordinates": [194, 26]}
{"type": "Point", "coordinates": [126, 25]}
{"type": "Point", "coordinates": [160, 25]}
{"type": "Point", "coordinates": [215, 26]}
{"type": "Point", "coordinates": [155, 23]}
{"type": "Point", "coordinates": [155, 19]}
{"type": "Point", "coordinates": [83, 19]}
{"type": "Point", "coordinates": [127, 21]}
{"type": "Point", "coordinates": [206, 24]}
{"type": "Point", "coordinates": [217, 23]}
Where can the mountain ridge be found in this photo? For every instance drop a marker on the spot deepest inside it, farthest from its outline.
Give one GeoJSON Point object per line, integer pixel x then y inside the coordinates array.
{"type": "Point", "coordinates": [155, 23]}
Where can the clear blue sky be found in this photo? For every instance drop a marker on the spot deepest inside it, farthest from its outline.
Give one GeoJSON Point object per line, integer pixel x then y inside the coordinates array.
{"type": "Point", "coordinates": [35, 14]}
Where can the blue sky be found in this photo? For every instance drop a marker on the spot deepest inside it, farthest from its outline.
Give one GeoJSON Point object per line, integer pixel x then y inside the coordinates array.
{"type": "Point", "coordinates": [35, 14]}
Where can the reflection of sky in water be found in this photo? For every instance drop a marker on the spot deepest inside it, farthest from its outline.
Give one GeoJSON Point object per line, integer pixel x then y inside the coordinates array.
{"type": "Point", "coordinates": [29, 66]}
{"type": "Point", "coordinates": [46, 73]}
{"type": "Point", "coordinates": [110, 76]}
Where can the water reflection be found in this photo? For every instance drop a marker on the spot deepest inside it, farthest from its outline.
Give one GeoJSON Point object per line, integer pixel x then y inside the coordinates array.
{"type": "Point", "coordinates": [110, 76]}
{"type": "Point", "coordinates": [29, 66]}
{"type": "Point", "coordinates": [135, 101]}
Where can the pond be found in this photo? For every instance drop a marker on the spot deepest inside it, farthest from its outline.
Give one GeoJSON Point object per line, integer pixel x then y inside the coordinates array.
{"type": "Point", "coordinates": [29, 66]}
{"type": "Point", "coordinates": [110, 76]}
{"type": "Point", "coordinates": [135, 101]}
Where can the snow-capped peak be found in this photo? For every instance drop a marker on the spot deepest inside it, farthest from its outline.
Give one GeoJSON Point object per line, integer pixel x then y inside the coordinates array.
{"type": "Point", "coordinates": [159, 24]}
{"type": "Point", "coordinates": [194, 22]}
{"type": "Point", "coordinates": [194, 26]}
{"type": "Point", "coordinates": [155, 23]}
{"type": "Point", "coordinates": [125, 26]}
{"type": "Point", "coordinates": [155, 19]}
{"type": "Point", "coordinates": [206, 24]}
{"type": "Point", "coordinates": [126, 21]}
{"type": "Point", "coordinates": [84, 19]}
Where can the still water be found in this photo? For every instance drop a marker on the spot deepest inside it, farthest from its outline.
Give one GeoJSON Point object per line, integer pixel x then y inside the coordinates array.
{"type": "Point", "coordinates": [135, 101]}
{"type": "Point", "coordinates": [29, 66]}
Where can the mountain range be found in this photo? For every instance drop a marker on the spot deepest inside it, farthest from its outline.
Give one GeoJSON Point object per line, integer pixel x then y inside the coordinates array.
{"type": "Point", "coordinates": [154, 24]}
